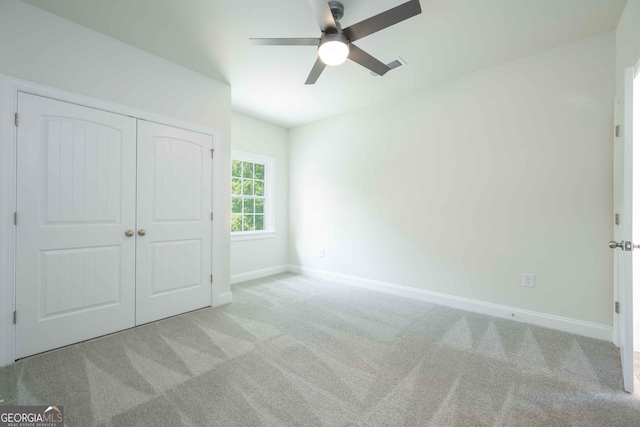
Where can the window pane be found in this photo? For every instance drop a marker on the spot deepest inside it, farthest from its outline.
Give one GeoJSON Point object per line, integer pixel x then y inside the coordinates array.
{"type": "Point", "coordinates": [259, 188]}
{"type": "Point", "coordinates": [259, 171]}
{"type": "Point", "coordinates": [249, 194]}
{"type": "Point", "coordinates": [236, 168]}
{"type": "Point", "coordinates": [248, 205]}
{"type": "Point", "coordinates": [247, 187]}
{"type": "Point", "coordinates": [236, 205]}
{"type": "Point", "coordinates": [259, 205]}
{"type": "Point", "coordinates": [259, 223]}
{"type": "Point", "coordinates": [236, 222]}
{"type": "Point", "coordinates": [236, 186]}
{"type": "Point", "coordinates": [248, 223]}
{"type": "Point", "coordinates": [247, 170]}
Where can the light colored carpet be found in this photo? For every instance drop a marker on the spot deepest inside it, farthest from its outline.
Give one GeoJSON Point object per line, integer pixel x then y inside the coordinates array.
{"type": "Point", "coordinates": [291, 350]}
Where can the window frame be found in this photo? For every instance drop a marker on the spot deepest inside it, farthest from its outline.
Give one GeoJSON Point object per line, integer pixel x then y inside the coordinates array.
{"type": "Point", "coordinates": [269, 195]}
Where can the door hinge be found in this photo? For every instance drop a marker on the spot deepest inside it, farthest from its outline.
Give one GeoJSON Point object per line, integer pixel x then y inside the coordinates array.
{"type": "Point", "coordinates": [15, 218]}
{"type": "Point", "coordinates": [15, 317]}
{"type": "Point", "coordinates": [15, 119]}
{"type": "Point", "coordinates": [212, 150]}
{"type": "Point", "coordinates": [617, 130]}
{"type": "Point", "coordinates": [212, 278]}
{"type": "Point", "coordinates": [617, 307]}
{"type": "Point", "coordinates": [211, 216]}
{"type": "Point", "coordinates": [617, 219]}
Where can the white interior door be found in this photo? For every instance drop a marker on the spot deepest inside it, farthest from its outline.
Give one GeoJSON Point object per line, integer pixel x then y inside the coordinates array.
{"type": "Point", "coordinates": [173, 273]}
{"type": "Point", "coordinates": [75, 272]}
{"type": "Point", "coordinates": [624, 260]}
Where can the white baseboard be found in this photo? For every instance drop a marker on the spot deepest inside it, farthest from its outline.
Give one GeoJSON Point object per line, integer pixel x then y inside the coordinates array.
{"type": "Point", "coordinates": [224, 298]}
{"type": "Point", "coordinates": [257, 274]}
{"type": "Point", "coordinates": [579, 327]}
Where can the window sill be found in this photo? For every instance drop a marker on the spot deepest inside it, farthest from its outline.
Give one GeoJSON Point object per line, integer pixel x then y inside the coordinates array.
{"type": "Point", "coordinates": [252, 235]}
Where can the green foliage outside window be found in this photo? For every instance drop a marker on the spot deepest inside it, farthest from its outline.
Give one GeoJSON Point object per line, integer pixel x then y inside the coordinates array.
{"type": "Point", "coordinates": [236, 168]}
{"type": "Point", "coordinates": [236, 186]}
{"type": "Point", "coordinates": [248, 196]}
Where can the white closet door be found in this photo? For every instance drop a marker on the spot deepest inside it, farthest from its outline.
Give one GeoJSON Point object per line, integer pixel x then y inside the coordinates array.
{"type": "Point", "coordinates": [75, 272]}
{"type": "Point", "coordinates": [174, 221]}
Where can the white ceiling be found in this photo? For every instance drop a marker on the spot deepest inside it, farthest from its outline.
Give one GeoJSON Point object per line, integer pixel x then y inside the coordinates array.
{"type": "Point", "coordinates": [450, 38]}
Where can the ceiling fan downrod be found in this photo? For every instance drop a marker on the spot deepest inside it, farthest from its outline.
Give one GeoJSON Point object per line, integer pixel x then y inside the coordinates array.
{"type": "Point", "coordinates": [337, 10]}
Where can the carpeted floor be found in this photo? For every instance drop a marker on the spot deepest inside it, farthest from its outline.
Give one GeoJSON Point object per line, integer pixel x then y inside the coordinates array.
{"type": "Point", "coordinates": [291, 350]}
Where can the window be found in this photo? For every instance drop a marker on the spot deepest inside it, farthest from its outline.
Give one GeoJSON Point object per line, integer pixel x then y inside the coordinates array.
{"type": "Point", "coordinates": [251, 195]}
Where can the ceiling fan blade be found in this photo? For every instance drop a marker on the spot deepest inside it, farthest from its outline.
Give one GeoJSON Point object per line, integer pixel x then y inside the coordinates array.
{"type": "Point", "coordinates": [317, 69]}
{"type": "Point", "coordinates": [363, 58]}
{"type": "Point", "coordinates": [323, 15]}
{"type": "Point", "coordinates": [383, 20]}
{"type": "Point", "coordinates": [285, 42]}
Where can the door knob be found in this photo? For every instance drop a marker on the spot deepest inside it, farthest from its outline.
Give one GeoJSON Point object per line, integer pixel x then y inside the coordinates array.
{"type": "Point", "coordinates": [625, 246]}
{"type": "Point", "coordinates": [129, 233]}
{"type": "Point", "coordinates": [142, 232]}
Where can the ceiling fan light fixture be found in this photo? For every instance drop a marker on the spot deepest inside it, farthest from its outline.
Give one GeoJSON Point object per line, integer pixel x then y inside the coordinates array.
{"type": "Point", "coordinates": [333, 49]}
{"type": "Point", "coordinates": [335, 44]}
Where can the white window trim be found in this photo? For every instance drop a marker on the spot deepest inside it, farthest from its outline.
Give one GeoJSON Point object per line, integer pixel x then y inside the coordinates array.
{"type": "Point", "coordinates": [269, 191]}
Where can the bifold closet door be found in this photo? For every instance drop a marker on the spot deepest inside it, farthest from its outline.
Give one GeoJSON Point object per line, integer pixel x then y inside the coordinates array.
{"type": "Point", "coordinates": [173, 272]}
{"type": "Point", "coordinates": [75, 272]}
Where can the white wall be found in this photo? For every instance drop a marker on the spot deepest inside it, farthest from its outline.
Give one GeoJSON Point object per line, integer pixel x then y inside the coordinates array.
{"type": "Point", "coordinates": [47, 49]}
{"type": "Point", "coordinates": [462, 188]}
{"type": "Point", "coordinates": [263, 256]}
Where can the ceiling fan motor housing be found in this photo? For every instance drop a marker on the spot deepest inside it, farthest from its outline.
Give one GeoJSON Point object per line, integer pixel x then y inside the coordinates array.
{"type": "Point", "coordinates": [332, 37]}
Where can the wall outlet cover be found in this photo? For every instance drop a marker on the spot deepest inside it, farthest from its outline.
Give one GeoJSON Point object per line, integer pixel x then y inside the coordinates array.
{"type": "Point", "coordinates": [529, 280]}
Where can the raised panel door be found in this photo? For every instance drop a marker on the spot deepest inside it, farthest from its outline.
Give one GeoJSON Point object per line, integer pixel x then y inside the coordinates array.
{"type": "Point", "coordinates": [174, 210]}
{"type": "Point", "coordinates": [75, 272]}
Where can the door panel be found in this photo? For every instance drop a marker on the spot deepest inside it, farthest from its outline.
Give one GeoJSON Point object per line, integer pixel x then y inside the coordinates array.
{"type": "Point", "coordinates": [175, 265]}
{"type": "Point", "coordinates": [174, 208]}
{"type": "Point", "coordinates": [76, 279]}
{"type": "Point", "coordinates": [625, 262]}
{"type": "Point", "coordinates": [75, 267]}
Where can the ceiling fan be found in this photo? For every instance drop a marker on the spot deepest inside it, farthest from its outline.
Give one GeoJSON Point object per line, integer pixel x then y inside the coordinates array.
{"type": "Point", "coordinates": [336, 44]}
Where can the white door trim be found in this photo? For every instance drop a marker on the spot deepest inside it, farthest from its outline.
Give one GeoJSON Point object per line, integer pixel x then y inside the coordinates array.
{"type": "Point", "coordinates": [617, 208]}
{"type": "Point", "coordinates": [9, 88]}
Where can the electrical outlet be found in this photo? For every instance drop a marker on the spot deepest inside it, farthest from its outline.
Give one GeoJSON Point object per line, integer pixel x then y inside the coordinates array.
{"type": "Point", "coordinates": [321, 253]}
{"type": "Point", "coordinates": [529, 280]}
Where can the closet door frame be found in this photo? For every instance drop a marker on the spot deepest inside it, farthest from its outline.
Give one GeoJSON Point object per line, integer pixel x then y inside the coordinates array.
{"type": "Point", "coordinates": [9, 89]}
